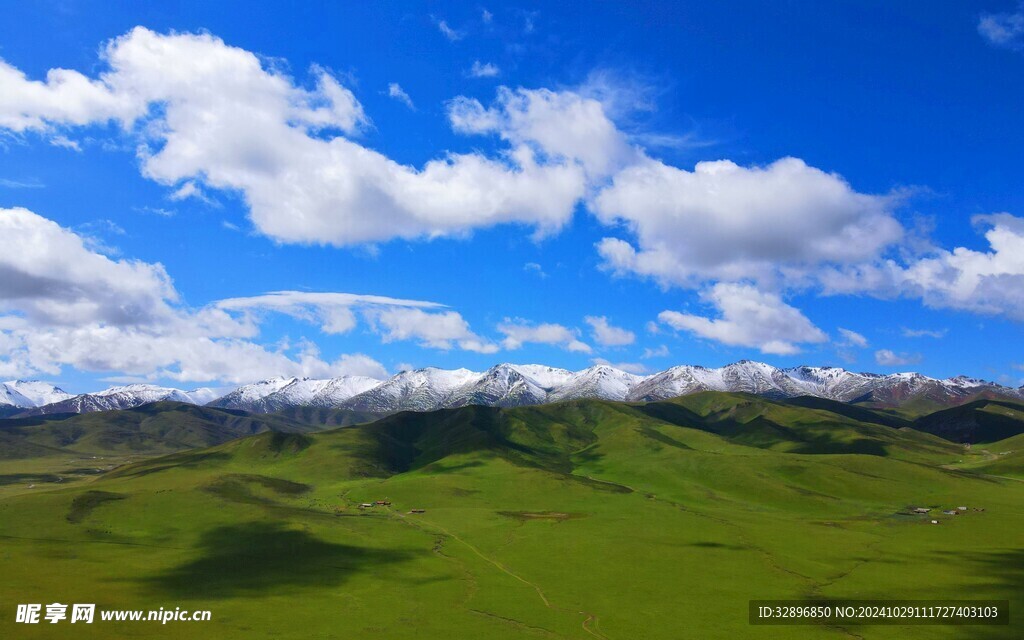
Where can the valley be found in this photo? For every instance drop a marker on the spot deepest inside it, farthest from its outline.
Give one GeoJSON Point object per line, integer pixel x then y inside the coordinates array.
{"type": "Point", "coordinates": [577, 519]}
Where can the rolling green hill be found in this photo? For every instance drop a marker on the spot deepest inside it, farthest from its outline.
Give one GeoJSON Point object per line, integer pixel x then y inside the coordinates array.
{"type": "Point", "coordinates": [573, 520]}
{"type": "Point", "coordinates": [981, 421]}
{"type": "Point", "coordinates": [160, 427]}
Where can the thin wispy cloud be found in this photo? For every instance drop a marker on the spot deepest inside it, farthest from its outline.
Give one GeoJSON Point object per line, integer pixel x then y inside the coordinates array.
{"type": "Point", "coordinates": [30, 183]}
{"type": "Point", "coordinates": [449, 32]}
{"type": "Point", "coordinates": [483, 70]}
{"type": "Point", "coordinates": [1003, 29]}
{"type": "Point", "coordinates": [849, 338]}
{"type": "Point", "coordinates": [396, 92]}
{"type": "Point", "coordinates": [889, 358]}
{"type": "Point", "coordinates": [157, 211]}
{"type": "Point", "coordinates": [924, 333]}
{"type": "Point", "coordinates": [65, 143]}
{"type": "Point", "coordinates": [535, 268]}
{"type": "Point", "coordinates": [657, 352]}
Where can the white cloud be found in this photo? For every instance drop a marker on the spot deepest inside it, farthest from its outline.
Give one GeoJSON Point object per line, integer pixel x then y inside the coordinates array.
{"type": "Point", "coordinates": [191, 103]}
{"type": "Point", "coordinates": [924, 333]}
{"type": "Point", "coordinates": [535, 268]}
{"type": "Point", "coordinates": [852, 338]}
{"type": "Point", "coordinates": [637, 368]}
{"type": "Point", "coordinates": [65, 143]}
{"type": "Point", "coordinates": [749, 318]}
{"type": "Point", "coordinates": [302, 178]}
{"type": "Point", "coordinates": [448, 31]}
{"type": "Point", "coordinates": [334, 312]}
{"type": "Point", "coordinates": [359, 364]}
{"type": "Point", "coordinates": [393, 318]}
{"type": "Point", "coordinates": [64, 304]}
{"type": "Point", "coordinates": [1003, 29]}
{"type": "Point", "coordinates": [519, 332]}
{"type": "Point", "coordinates": [486, 16]}
{"type": "Point", "coordinates": [559, 125]}
{"type": "Point", "coordinates": [188, 190]}
{"type": "Point", "coordinates": [33, 183]}
{"type": "Point", "coordinates": [888, 358]}
{"type": "Point", "coordinates": [658, 352]}
{"type": "Point", "coordinates": [724, 221]}
{"type": "Point", "coordinates": [985, 282]}
{"type": "Point", "coordinates": [440, 330]}
{"type": "Point", "coordinates": [483, 70]}
{"type": "Point", "coordinates": [66, 97]}
{"type": "Point", "coordinates": [607, 335]}
{"type": "Point", "coordinates": [50, 275]}
{"type": "Point", "coordinates": [398, 93]}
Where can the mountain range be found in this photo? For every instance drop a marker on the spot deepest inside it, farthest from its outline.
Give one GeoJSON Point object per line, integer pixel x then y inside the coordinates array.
{"type": "Point", "coordinates": [509, 385]}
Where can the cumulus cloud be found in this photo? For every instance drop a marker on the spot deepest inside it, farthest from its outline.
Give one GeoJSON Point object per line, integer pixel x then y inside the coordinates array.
{"type": "Point", "coordinates": [191, 103]}
{"type": "Point", "coordinates": [748, 318]}
{"type": "Point", "coordinates": [888, 358]}
{"type": "Point", "coordinates": [398, 93]}
{"type": "Point", "coordinates": [1003, 29]}
{"type": "Point", "coordinates": [519, 332]}
{"type": "Point", "coordinates": [723, 221]}
{"type": "Point", "coordinates": [984, 282]}
{"type": "Point", "coordinates": [62, 303]}
{"type": "Point", "coordinates": [559, 125]}
{"type": "Point", "coordinates": [483, 70]}
{"type": "Point", "coordinates": [440, 330]}
{"type": "Point", "coordinates": [195, 102]}
{"type": "Point", "coordinates": [607, 335]}
{"type": "Point", "coordinates": [51, 276]}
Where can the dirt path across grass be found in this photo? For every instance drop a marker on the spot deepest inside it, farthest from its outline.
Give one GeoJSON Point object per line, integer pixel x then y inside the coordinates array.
{"type": "Point", "coordinates": [589, 623]}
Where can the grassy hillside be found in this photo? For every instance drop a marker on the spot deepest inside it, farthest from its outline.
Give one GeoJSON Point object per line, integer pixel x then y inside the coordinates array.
{"type": "Point", "coordinates": [324, 418]}
{"type": "Point", "coordinates": [160, 427]}
{"type": "Point", "coordinates": [981, 421]}
{"type": "Point", "coordinates": [574, 520]}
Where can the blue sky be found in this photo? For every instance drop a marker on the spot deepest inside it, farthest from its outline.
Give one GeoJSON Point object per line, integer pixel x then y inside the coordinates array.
{"type": "Point", "coordinates": [160, 166]}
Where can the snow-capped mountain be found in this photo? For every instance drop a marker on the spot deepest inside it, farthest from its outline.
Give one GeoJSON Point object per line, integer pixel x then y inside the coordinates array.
{"type": "Point", "coordinates": [502, 386]}
{"type": "Point", "coordinates": [18, 396]}
{"type": "Point", "coordinates": [279, 393]}
{"type": "Point", "coordinates": [123, 397]}
{"type": "Point", "coordinates": [10, 397]}
{"type": "Point", "coordinates": [418, 390]}
{"type": "Point", "coordinates": [508, 385]}
{"type": "Point", "coordinates": [601, 381]}
{"type": "Point", "coordinates": [30, 393]}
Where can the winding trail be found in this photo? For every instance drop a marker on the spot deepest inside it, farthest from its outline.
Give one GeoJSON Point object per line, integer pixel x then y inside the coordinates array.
{"type": "Point", "coordinates": [591, 619]}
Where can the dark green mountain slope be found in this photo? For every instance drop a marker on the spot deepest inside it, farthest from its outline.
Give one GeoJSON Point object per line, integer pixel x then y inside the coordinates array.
{"type": "Point", "coordinates": [978, 422]}
{"type": "Point", "coordinates": [157, 428]}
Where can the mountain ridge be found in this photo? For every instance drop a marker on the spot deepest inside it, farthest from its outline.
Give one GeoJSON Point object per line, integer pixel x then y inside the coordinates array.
{"type": "Point", "coordinates": [508, 385]}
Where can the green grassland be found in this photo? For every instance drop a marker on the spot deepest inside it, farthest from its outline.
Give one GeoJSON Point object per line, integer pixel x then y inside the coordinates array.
{"type": "Point", "coordinates": [573, 520]}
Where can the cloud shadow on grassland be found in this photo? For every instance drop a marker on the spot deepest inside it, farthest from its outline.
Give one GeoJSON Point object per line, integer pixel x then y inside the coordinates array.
{"type": "Point", "coordinates": [258, 558]}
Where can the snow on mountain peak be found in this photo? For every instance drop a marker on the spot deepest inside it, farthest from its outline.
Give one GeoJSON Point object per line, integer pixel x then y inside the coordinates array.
{"type": "Point", "coordinates": [517, 384]}
{"type": "Point", "coordinates": [30, 393]}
